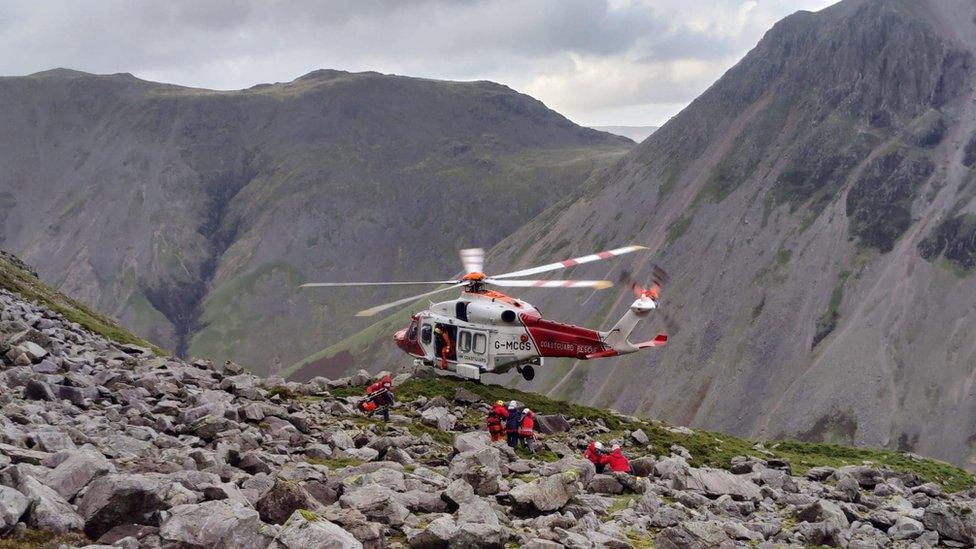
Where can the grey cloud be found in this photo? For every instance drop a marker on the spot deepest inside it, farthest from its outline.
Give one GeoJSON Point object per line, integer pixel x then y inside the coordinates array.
{"type": "Point", "coordinates": [238, 43]}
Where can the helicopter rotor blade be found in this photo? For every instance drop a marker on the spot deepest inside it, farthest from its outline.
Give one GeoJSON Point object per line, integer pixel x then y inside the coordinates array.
{"type": "Point", "coordinates": [372, 311]}
{"type": "Point", "coordinates": [571, 262]}
{"type": "Point", "coordinates": [353, 284]}
{"type": "Point", "coordinates": [598, 284]}
{"type": "Point", "coordinates": [473, 260]}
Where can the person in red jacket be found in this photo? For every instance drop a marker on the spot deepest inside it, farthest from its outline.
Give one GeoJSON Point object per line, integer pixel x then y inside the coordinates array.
{"type": "Point", "coordinates": [597, 456]}
{"type": "Point", "coordinates": [527, 427]}
{"type": "Point", "coordinates": [617, 461]}
{"type": "Point", "coordinates": [380, 394]}
{"type": "Point", "coordinates": [496, 421]}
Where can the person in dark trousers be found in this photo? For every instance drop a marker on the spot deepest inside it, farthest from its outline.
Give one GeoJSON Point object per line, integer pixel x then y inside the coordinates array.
{"type": "Point", "coordinates": [527, 428]}
{"type": "Point", "coordinates": [381, 394]}
{"type": "Point", "coordinates": [512, 424]}
{"type": "Point", "coordinates": [597, 456]}
{"type": "Point", "coordinates": [497, 417]}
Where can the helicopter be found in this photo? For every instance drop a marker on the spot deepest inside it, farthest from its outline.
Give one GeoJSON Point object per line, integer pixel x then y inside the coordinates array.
{"type": "Point", "coordinates": [486, 331]}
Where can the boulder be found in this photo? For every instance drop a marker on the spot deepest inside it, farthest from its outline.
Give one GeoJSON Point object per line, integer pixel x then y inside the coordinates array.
{"type": "Point", "coordinates": [640, 437]}
{"type": "Point", "coordinates": [605, 484]}
{"type": "Point", "coordinates": [223, 524]}
{"type": "Point", "coordinates": [282, 500]}
{"type": "Point", "coordinates": [76, 471]}
{"type": "Point", "coordinates": [121, 499]}
{"type": "Point", "coordinates": [950, 523]}
{"type": "Point", "coordinates": [552, 423]}
{"type": "Point", "coordinates": [906, 528]}
{"type": "Point", "coordinates": [305, 529]}
{"type": "Point", "coordinates": [718, 482]}
{"type": "Point", "coordinates": [823, 511]}
{"type": "Point", "coordinates": [48, 511]}
{"type": "Point", "coordinates": [471, 441]}
{"type": "Point", "coordinates": [544, 495]}
{"type": "Point", "coordinates": [13, 505]}
{"type": "Point", "coordinates": [437, 534]}
{"type": "Point", "coordinates": [480, 468]}
{"type": "Point", "coordinates": [693, 534]}
{"type": "Point", "coordinates": [439, 417]}
{"type": "Point", "coordinates": [377, 503]}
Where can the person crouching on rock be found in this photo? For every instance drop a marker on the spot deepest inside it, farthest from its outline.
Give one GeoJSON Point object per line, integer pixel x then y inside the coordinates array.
{"type": "Point", "coordinates": [497, 417]}
{"type": "Point", "coordinates": [597, 456]}
{"type": "Point", "coordinates": [380, 395]}
{"type": "Point", "coordinates": [617, 461]}
{"type": "Point", "coordinates": [512, 423]}
{"type": "Point", "coordinates": [527, 428]}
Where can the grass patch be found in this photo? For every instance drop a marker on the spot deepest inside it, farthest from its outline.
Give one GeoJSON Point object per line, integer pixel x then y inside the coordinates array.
{"type": "Point", "coordinates": [828, 320]}
{"type": "Point", "coordinates": [441, 437]}
{"type": "Point", "coordinates": [622, 502]}
{"type": "Point", "coordinates": [677, 229]}
{"type": "Point", "coordinates": [16, 277]}
{"type": "Point", "coordinates": [36, 539]}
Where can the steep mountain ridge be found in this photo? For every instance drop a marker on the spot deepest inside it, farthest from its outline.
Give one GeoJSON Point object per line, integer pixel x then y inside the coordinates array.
{"type": "Point", "coordinates": [813, 208]}
{"type": "Point", "coordinates": [192, 215]}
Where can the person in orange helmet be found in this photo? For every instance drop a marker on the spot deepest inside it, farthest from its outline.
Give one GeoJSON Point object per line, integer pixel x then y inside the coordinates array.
{"type": "Point", "coordinates": [496, 421]}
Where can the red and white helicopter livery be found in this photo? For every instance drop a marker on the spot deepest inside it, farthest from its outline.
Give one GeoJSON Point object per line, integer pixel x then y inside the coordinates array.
{"type": "Point", "coordinates": [486, 331]}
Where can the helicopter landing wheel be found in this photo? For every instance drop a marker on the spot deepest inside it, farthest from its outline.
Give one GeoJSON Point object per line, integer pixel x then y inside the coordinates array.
{"type": "Point", "coordinates": [528, 373]}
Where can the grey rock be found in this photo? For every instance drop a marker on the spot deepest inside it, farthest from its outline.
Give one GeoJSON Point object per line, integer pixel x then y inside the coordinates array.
{"type": "Point", "coordinates": [78, 469]}
{"type": "Point", "coordinates": [48, 511]}
{"type": "Point", "coordinates": [282, 500]}
{"type": "Point", "coordinates": [377, 503]}
{"type": "Point", "coordinates": [545, 495]}
{"type": "Point", "coordinates": [214, 524]}
{"type": "Point", "coordinates": [305, 530]}
{"type": "Point", "coordinates": [119, 499]}
{"type": "Point", "coordinates": [718, 482]}
{"type": "Point", "coordinates": [13, 505]}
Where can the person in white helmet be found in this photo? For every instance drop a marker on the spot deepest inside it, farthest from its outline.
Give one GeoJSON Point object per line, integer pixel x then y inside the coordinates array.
{"type": "Point", "coordinates": [527, 427]}
{"type": "Point", "coordinates": [597, 455]}
{"type": "Point", "coordinates": [512, 424]}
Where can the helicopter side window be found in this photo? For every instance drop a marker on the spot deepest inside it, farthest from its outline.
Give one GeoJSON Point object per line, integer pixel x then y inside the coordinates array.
{"type": "Point", "coordinates": [425, 333]}
{"type": "Point", "coordinates": [480, 343]}
{"type": "Point", "coordinates": [461, 311]}
{"type": "Point", "coordinates": [464, 342]}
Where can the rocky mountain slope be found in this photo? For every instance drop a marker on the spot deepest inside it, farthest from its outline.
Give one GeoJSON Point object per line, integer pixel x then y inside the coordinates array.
{"type": "Point", "coordinates": [814, 209]}
{"type": "Point", "coordinates": [103, 442]}
{"type": "Point", "coordinates": [191, 215]}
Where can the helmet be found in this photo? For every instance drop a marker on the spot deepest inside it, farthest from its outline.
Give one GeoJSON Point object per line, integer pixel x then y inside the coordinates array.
{"type": "Point", "coordinates": [527, 411]}
{"type": "Point", "coordinates": [500, 402]}
{"type": "Point", "coordinates": [512, 404]}
{"type": "Point", "coordinates": [616, 447]}
{"type": "Point", "coordinates": [598, 445]}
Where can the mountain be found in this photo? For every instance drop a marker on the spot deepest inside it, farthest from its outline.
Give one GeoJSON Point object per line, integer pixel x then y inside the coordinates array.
{"type": "Point", "coordinates": [192, 215]}
{"type": "Point", "coordinates": [635, 133]}
{"type": "Point", "coordinates": [814, 209]}
{"type": "Point", "coordinates": [209, 456]}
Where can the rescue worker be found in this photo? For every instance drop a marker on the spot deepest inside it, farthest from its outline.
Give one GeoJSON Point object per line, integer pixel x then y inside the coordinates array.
{"type": "Point", "coordinates": [496, 421]}
{"type": "Point", "coordinates": [527, 427]}
{"type": "Point", "coordinates": [617, 461]}
{"type": "Point", "coordinates": [597, 456]}
{"type": "Point", "coordinates": [512, 423]}
{"type": "Point", "coordinates": [381, 395]}
{"type": "Point", "coordinates": [445, 345]}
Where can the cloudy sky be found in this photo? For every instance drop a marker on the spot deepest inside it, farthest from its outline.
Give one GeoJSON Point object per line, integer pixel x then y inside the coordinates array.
{"type": "Point", "coordinates": [599, 62]}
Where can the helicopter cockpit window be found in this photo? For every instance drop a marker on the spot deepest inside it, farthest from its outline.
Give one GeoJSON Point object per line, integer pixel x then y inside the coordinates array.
{"type": "Point", "coordinates": [464, 342]}
{"type": "Point", "coordinates": [480, 343]}
{"type": "Point", "coordinates": [461, 310]}
{"type": "Point", "coordinates": [412, 331]}
{"type": "Point", "coordinates": [425, 333]}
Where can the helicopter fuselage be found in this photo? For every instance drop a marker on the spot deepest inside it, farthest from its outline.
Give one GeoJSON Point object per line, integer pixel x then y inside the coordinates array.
{"type": "Point", "coordinates": [487, 331]}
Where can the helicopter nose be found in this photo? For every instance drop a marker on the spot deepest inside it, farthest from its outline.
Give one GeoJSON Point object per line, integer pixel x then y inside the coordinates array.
{"type": "Point", "coordinates": [400, 338]}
